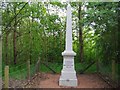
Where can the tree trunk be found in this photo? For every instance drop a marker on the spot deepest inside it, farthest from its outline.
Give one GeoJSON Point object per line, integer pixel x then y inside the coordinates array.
{"type": "Point", "coordinates": [118, 33]}
{"type": "Point", "coordinates": [6, 52]}
{"type": "Point", "coordinates": [98, 66]}
{"type": "Point", "coordinates": [80, 34]}
{"type": "Point", "coordinates": [118, 44]}
{"type": "Point", "coordinates": [113, 69]}
{"type": "Point", "coordinates": [14, 38]}
{"type": "Point", "coordinates": [6, 43]}
{"type": "Point", "coordinates": [30, 47]}
{"type": "Point", "coordinates": [61, 42]}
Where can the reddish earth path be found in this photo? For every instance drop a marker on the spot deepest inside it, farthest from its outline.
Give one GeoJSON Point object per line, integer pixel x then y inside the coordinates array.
{"type": "Point", "coordinates": [84, 81]}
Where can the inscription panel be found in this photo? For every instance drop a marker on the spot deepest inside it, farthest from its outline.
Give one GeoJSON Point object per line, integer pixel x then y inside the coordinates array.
{"type": "Point", "coordinates": [68, 64]}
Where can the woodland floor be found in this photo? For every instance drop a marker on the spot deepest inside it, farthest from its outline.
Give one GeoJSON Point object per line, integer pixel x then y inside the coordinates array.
{"type": "Point", "coordinates": [47, 80]}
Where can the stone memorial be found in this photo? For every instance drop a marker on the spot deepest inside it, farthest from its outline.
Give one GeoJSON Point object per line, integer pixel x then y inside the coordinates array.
{"type": "Point", "coordinates": [68, 73]}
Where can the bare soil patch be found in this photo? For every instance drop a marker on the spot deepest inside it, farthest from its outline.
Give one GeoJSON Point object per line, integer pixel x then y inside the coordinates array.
{"type": "Point", "coordinates": [47, 80]}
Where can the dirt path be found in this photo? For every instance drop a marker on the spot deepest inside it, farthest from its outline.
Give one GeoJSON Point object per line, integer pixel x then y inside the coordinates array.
{"type": "Point", "coordinates": [84, 81]}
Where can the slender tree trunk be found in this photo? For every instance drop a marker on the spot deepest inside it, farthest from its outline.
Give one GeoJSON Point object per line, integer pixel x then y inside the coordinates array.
{"type": "Point", "coordinates": [98, 65]}
{"type": "Point", "coordinates": [118, 44]}
{"type": "Point", "coordinates": [116, 55]}
{"type": "Point", "coordinates": [14, 38]}
{"type": "Point", "coordinates": [118, 33]}
{"type": "Point", "coordinates": [14, 45]}
{"type": "Point", "coordinates": [6, 52]}
{"type": "Point", "coordinates": [61, 42]}
{"type": "Point", "coordinates": [80, 34]}
{"type": "Point", "coordinates": [46, 38]}
{"type": "Point", "coordinates": [30, 47]}
{"type": "Point", "coordinates": [6, 43]}
{"type": "Point", "coordinates": [64, 35]}
{"type": "Point", "coordinates": [113, 69]}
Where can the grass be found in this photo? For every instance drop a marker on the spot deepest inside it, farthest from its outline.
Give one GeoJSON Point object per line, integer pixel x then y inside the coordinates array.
{"type": "Point", "coordinates": [107, 70]}
{"type": "Point", "coordinates": [55, 66]}
{"type": "Point", "coordinates": [81, 66]}
{"type": "Point", "coordinates": [58, 67]}
{"type": "Point", "coordinates": [20, 72]}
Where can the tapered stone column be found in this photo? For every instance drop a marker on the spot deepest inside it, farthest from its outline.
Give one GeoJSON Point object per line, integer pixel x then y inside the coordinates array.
{"type": "Point", "coordinates": [68, 73]}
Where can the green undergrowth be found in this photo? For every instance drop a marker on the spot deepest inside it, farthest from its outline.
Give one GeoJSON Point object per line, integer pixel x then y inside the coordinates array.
{"type": "Point", "coordinates": [20, 71]}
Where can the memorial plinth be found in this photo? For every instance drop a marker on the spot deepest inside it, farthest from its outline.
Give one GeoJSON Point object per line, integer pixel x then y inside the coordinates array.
{"type": "Point", "coordinates": [68, 73]}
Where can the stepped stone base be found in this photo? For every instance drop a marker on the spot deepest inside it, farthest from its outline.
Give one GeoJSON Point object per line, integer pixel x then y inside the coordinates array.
{"type": "Point", "coordinates": [67, 82]}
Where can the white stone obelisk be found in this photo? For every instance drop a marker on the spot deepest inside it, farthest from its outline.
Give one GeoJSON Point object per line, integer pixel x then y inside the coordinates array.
{"type": "Point", "coordinates": [68, 73]}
